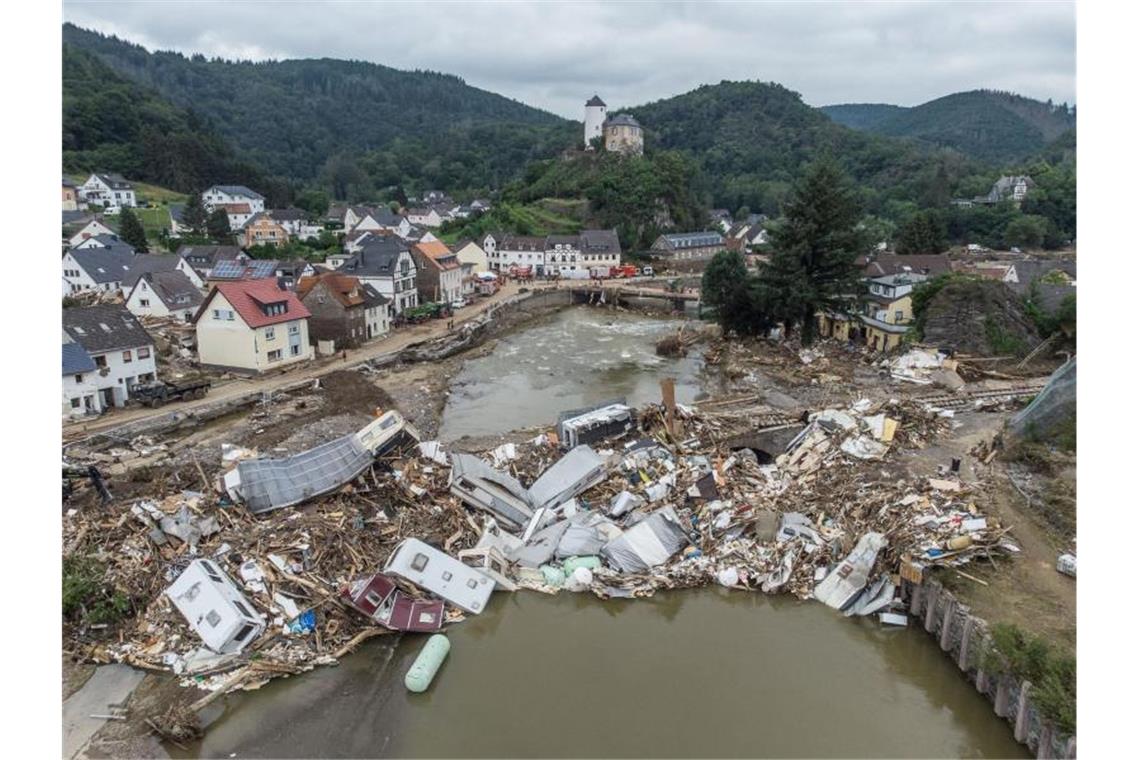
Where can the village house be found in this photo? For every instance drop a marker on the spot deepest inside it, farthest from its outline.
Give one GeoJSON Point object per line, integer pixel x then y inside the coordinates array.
{"type": "Point", "coordinates": [881, 264]}
{"type": "Point", "coordinates": [472, 260]}
{"type": "Point", "coordinates": [429, 216]}
{"type": "Point", "coordinates": [289, 273]}
{"type": "Point", "coordinates": [98, 266]}
{"type": "Point", "coordinates": [203, 258]}
{"type": "Point", "coordinates": [231, 195]}
{"type": "Point", "coordinates": [439, 277]}
{"type": "Point", "coordinates": [109, 191]}
{"type": "Point", "coordinates": [518, 251]}
{"type": "Point", "coordinates": [70, 195]}
{"type": "Point", "coordinates": [252, 326]}
{"type": "Point", "coordinates": [686, 246]}
{"type": "Point", "coordinates": [121, 353]}
{"type": "Point", "coordinates": [385, 262]}
{"type": "Point", "coordinates": [164, 294]}
{"type": "Point", "coordinates": [360, 219]}
{"type": "Point", "coordinates": [145, 263]}
{"type": "Point", "coordinates": [887, 310]}
{"type": "Point", "coordinates": [344, 310]}
{"type": "Point", "coordinates": [90, 230]}
{"type": "Point", "coordinates": [562, 254]}
{"type": "Point", "coordinates": [599, 248]}
{"type": "Point", "coordinates": [262, 229]}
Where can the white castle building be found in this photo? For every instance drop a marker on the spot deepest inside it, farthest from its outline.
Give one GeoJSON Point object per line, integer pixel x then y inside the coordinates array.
{"type": "Point", "coordinates": [595, 118]}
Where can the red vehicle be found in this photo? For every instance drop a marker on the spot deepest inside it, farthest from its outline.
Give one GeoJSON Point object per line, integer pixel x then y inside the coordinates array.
{"type": "Point", "coordinates": [522, 273]}
{"type": "Point", "coordinates": [626, 270]}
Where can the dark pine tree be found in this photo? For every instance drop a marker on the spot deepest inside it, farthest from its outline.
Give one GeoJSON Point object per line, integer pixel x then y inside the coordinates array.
{"type": "Point", "coordinates": [218, 226]}
{"type": "Point", "coordinates": [194, 214]}
{"type": "Point", "coordinates": [131, 230]}
{"type": "Point", "coordinates": [814, 250]}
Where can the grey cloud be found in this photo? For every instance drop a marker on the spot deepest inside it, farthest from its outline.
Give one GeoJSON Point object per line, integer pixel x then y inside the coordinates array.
{"type": "Point", "coordinates": [555, 55]}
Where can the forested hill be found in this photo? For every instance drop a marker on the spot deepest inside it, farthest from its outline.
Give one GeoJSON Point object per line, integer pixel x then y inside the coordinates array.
{"type": "Point", "coordinates": [752, 141]}
{"type": "Point", "coordinates": [998, 127]}
{"type": "Point", "coordinates": [113, 124]}
{"type": "Point", "coordinates": [290, 117]}
{"type": "Point", "coordinates": [861, 115]}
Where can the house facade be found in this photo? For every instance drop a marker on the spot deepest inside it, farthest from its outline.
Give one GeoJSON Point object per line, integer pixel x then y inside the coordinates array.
{"type": "Point", "coordinates": [159, 262]}
{"type": "Point", "coordinates": [599, 248]}
{"type": "Point", "coordinates": [70, 195]}
{"type": "Point", "coordinates": [92, 228]}
{"type": "Point", "coordinates": [120, 350]}
{"type": "Point", "coordinates": [108, 191]}
{"type": "Point", "coordinates": [343, 309]}
{"type": "Point", "coordinates": [98, 267]}
{"type": "Point", "coordinates": [262, 229]}
{"type": "Point", "coordinates": [227, 195]}
{"type": "Point", "coordinates": [385, 262]}
{"type": "Point", "coordinates": [686, 246]}
{"type": "Point", "coordinates": [164, 294]}
{"type": "Point", "coordinates": [562, 254]}
{"type": "Point", "coordinates": [519, 251]}
{"type": "Point", "coordinates": [252, 326]}
{"type": "Point", "coordinates": [426, 216]}
{"type": "Point", "coordinates": [439, 276]}
{"type": "Point", "coordinates": [885, 313]}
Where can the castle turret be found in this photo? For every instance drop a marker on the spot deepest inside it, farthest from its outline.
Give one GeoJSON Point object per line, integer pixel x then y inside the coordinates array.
{"type": "Point", "coordinates": [595, 118]}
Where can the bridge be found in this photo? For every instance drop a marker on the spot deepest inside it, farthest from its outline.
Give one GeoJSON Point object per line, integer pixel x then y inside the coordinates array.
{"type": "Point", "coordinates": [617, 293]}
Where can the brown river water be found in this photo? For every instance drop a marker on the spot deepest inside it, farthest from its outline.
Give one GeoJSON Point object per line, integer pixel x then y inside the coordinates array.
{"type": "Point", "coordinates": [706, 673]}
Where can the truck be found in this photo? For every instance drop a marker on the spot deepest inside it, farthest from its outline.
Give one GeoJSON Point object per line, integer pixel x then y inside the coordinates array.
{"type": "Point", "coordinates": [600, 273]}
{"type": "Point", "coordinates": [625, 270]}
{"type": "Point", "coordinates": [521, 273]}
{"type": "Point", "coordinates": [157, 393]}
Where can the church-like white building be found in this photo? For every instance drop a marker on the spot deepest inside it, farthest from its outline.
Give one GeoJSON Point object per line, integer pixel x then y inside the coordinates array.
{"type": "Point", "coordinates": [595, 118]}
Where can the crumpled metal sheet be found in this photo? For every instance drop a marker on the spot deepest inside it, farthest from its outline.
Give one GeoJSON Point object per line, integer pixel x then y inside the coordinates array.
{"type": "Point", "coordinates": [275, 483]}
{"type": "Point", "coordinates": [648, 544]}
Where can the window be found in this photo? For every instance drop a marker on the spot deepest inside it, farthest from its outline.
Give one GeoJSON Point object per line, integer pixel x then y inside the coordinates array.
{"type": "Point", "coordinates": [144, 352]}
{"type": "Point", "coordinates": [245, 630]}
{"type": "Point", "coordinates": [898, 316]}
{"type": "Point", "coordinates": [79, 378]}
{"type": "Point", "coordinates": [294, 329]}
{"type": "Point", "coordinates": [294, 350]}
{"type": "Point", "coordinates": [101, 361]}
{"type": "Point", "coordinates": [419, 562]}
{"type": "Point", "coordinates": [127, 358]}
{"type": "Point", "coordinates": [446, 576]}
{"type": "Point", "coordinates": [275, 355]}
{"type": "Point", "coordinates": [144, 302]}
{"type": "Point", "coordinates": [372, 598]}
{"type": "Point", "coordinates": [75, 401]}
{"type": "Point", "coordinates": [241, 607]}
{"type": "Point", "coordinates": [213, 618]}
{"type": "Point", "coordinates": [270, 333]}
{"type": "Point", "coordinates": [471, 583]}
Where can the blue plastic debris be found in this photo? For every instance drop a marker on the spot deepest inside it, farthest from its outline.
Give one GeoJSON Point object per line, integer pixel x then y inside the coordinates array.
{"type": "Point", "coordinates": [306, 622]}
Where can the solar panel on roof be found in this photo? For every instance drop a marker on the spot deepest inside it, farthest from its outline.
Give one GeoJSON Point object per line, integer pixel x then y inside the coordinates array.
{"type": "Point", "coordinates": [228, 269]}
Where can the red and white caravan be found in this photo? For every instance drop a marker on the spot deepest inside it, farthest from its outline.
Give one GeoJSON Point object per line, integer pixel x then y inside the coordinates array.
{"type": "Point", "coordinates": [379, 598]}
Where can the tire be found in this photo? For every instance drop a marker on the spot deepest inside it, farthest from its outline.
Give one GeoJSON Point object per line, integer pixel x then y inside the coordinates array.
{"type": "Point", "coordinates": [200, 393]}
{"type": "Point", "coordinates": [157, 401]}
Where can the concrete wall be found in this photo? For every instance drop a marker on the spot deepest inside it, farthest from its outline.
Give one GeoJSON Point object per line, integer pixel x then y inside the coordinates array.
{"type": "Point", "coordinates": [965, 638]}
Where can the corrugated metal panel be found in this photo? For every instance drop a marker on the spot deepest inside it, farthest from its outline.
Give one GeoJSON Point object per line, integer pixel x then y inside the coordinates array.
{"type": "Point", "coordinates": [274, 483]}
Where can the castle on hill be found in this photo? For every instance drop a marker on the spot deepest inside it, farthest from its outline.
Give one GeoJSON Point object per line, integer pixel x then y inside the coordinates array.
{"type": "Point", "coordinates": [620, 134]}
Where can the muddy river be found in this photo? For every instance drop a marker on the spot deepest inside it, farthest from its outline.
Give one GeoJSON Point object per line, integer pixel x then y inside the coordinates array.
{"type": "Point", "coordinates": [707, 673]}
{"type": "Point", "coordinates": [571, 359]}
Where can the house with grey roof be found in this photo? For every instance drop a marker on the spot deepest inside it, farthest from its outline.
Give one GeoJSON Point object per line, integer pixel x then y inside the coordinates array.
{"type": "Point", "coordinates": [145, 263]}
{"type": "Point", "coordinates": [232, 196]}
{"type": "Point", "coordinates": [79, 226]}
{"type": "Point", "coordinates": [623, 134]}
{"type": "Point", "coordinates": [203, 258]}
{"type": "Point", "coordinates": [684, 246]}
{"type": "Point", "coordinates": [386, 263]}
{"type": "Point", "coordinates": [121, 351]}
{"type": "Point", "coordinates": [108, 191]}
{"type": "Point", "coordinates": [102, 265]}
{"type": "Point", "coordinates": [164, 293]}
{"type": "Point", "coordinates": [80, 391]}
{"type": "Point", "coordinates": [599, 248]}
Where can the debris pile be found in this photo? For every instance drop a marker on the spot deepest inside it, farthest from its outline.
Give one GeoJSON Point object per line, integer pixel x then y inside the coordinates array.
{"type": "Point", "coordinates": [398, 534]}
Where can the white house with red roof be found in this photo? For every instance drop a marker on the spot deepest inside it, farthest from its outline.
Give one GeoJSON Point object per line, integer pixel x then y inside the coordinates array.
{"type": "Point", "coordinates": [252, 326]}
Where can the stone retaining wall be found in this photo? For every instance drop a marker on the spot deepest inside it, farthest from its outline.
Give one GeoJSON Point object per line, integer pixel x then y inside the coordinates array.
{"type": "Point", "coordinates": [965, 638]}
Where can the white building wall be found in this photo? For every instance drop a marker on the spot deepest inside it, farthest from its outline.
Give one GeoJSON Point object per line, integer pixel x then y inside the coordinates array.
{"type": "Point", "coordinates": [124, 368]}
{"type": "Point", "coordinates": [144, 302]}
{"type": "Point", "coordinates": [227, 341]}
{"type": "Point", "coordinates": [595, 117]}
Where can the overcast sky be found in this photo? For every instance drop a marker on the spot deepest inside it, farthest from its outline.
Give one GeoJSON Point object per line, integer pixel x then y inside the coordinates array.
{"type": "Point", "coordinates": [556, 55]}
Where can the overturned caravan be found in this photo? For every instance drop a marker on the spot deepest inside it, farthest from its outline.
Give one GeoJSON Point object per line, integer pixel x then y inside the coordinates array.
{"type": "Point", "coordinates": [267, 484]}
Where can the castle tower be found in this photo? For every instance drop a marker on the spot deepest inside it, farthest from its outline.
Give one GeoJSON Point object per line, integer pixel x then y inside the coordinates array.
{"type": "Point", "coordinates": [595, 117]}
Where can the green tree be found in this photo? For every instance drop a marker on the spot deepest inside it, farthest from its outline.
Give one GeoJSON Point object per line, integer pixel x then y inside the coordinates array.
{"type": "Point", "coordinates": [131, 230]}
{"type": "Point", "coordinates": [725, 275]}
{"type": "Point", "coordinates": [814, 250]}
{"type": "Point", "coordinates": [316, 202]}
{"type": "Point", "coordinates": [218, 226]}
{"type": "Point", "coordinates": [925, 232]}
{"type": "Point", "coordinates": [1026, 231]}
{"type": "Point", "coordinates": [194, 214]}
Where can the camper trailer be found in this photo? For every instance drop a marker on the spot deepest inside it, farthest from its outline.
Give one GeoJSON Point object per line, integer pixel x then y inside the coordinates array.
{"type": "Point", "coordinates": [595, 423]}
{"type": "Point", "coordinates": [214, 607]}
{"type": "Point", "coordinates": [483, 487]}
{"type": "Point", "coordinates": [379, 598]}
{"type": "Point", "coordinates": [443, 575]}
